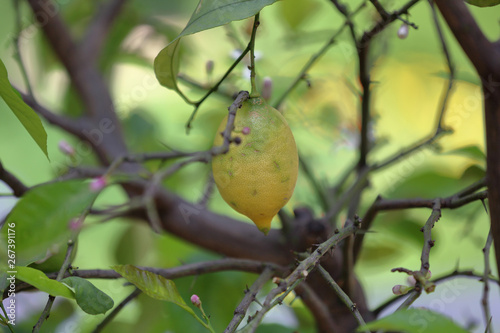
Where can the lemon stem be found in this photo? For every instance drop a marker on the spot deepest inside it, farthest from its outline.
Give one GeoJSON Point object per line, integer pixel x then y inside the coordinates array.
{"type": "Point", "coordinates": [253, 92]}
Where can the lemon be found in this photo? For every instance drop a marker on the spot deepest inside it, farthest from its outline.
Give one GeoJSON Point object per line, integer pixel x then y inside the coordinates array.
{"type": "Point", "coordinates": [257, 176]}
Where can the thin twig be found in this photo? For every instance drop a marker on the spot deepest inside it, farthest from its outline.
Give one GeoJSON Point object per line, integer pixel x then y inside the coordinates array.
{"type": "Point", "coordinates": [453, 275]}
{"type": "Point", "coordinates": [472, 188]}
{"type": "Point", "coordinates": [17, 186]}
{"type": "Point", "coordinates": [412, 297]}
{"type": "Point", "coordinates": [17, 44]}
{"type": "Point", "coordinates": [344, 11]}
{"type": "Point", "coordinates": [342, 295]}
{"type": "Point", "coordinates": [380, 9]}
{"type": "Point", "coordinates": [413, 148]}
{"type": "Point", "coordinates": [65, 123]}
{"type": "Point", "coordinates": [149, 194]}
{"type": "Point", "coordinates": [116, 310]}
{"type": "Point", "coordinates": [486, 287]}
{"type": "Point", "coordinates": [216, 86]}
{"type": "Point", "coordinates": [355, 189]}
{"type": "Point", "coordinates": [311, 177]}
{"type": "Point", "coordinates": [381, 204]}
{"type": "Point", "coordinates": [211, 266]}
{"type": "Point", "coordinates": [363, 48]}
{"type": "Point", "coordinates": [314, 58]}
{"type": "Point", "coordinates": [195, 84]}
{"type": "Point", "coordinates": [439, 128]}
{"type": "Point", "coordinates": [420, 276]}
{"type": "Point", "coordinates": [250, 296]}
{"type": "Point", "coordinates": [299, 274]}
{"type": "Point", "coordinates": [428, 241]}
{"type": "Point", "coordinates": [46, 311]}
{"type": "Point", "coordinates": [207, 193]}
{"type": "Point", "coordinates": [451, 68]}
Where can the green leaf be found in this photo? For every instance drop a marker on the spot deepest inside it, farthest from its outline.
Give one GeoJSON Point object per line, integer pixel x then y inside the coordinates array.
{"type": "Point", "coordinates": [473, 173]}
{"type": "Point", "coordinates": [166, 65]}
{"type": "Point", "coordinates": [153, 285]}
{"type": "Point", "coordinates": [421, 183]}
{"type": "Point", "coordinates": [40, 281]}
{"type": "Point", "coordinates": [483, 3]}
{"type": "Point", "coordinates": [208, 14]}
{"type": "Point", "coordinates": [90, 299]}
{"type": "Point", "coordinates": [414, 320]}
{"type": "Point", "coordinates": [469, 151]}
{"type": "Point", "coordinates": [28, 118]}
{"type": "Point", "coordinates": [42, 215]}
{"type": "Point", "coordinates": [213, 13]}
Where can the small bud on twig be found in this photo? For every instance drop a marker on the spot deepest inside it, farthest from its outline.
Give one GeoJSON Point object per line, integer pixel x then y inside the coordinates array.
{"type": "Point", "coordinates": [98, 184]}
{"type": "Point", "coordinates": [403, 31]}
{"type": "Point", "coordinates": [66, 148]}
{"type": "Point", "coordinates": [209, 67]}
{"type": "Point", "coordinates": [400, 289]}
{"type": "Point", "coordinates": [195, 299]}
{"type": "Point", "coordinates": [75, 224]}
{"type": "Point", "coordinates": [267, 88]}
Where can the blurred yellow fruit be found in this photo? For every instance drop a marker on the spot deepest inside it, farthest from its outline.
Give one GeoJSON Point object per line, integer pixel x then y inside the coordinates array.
{"type": "Point", "coordinates": [257, 176]}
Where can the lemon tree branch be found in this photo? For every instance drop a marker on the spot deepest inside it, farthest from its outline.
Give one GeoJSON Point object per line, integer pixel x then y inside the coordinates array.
{"type": "Point", "coordinates": [485, 56]}
{"type": "Point", "coordinates": [300, 274]}
{"type": "Point", "coordinates": [486, 286]}
{"type": "Point", "coordinates": [211, 266]}
{"type": "Point", "coordinates": [250, 296]}
{"type": "Point", "coordinates": [315, 57]}
{"type": "Point", "coordinates": [17, 186]}
{"type": "Point", "coordinates": [216, 86]}
{"type": "Point", "coordinates": [459, 199]}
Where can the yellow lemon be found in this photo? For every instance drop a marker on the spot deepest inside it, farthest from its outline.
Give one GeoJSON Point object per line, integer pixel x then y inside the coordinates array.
{"type": "Point", "coordinates": [257, 176]}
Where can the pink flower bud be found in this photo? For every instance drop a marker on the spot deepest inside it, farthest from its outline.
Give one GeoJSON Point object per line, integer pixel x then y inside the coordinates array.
{"type": "Point", "coordinates": [66, 148]}
{"type": "Point", "coordinates": [209, 67]}
{"type": "Point", "coordinates": [245, 130]}
{"type": "Point", "coordinates": [75, 224]}
{"type": "Point", "coordinates": [267, 88]}
{"type": "Point", "coordinates": [403, 31]}
{"type": "Point", "coordinates": [196, 300]}
{"type": "Point", "coordinates": [98, 184]}
{"type": "Point", "coordinates": [399, 289]}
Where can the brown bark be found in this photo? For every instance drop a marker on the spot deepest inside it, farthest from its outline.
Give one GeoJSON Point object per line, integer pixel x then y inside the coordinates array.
{"type": "Point", "coordinates": [485, 56]}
